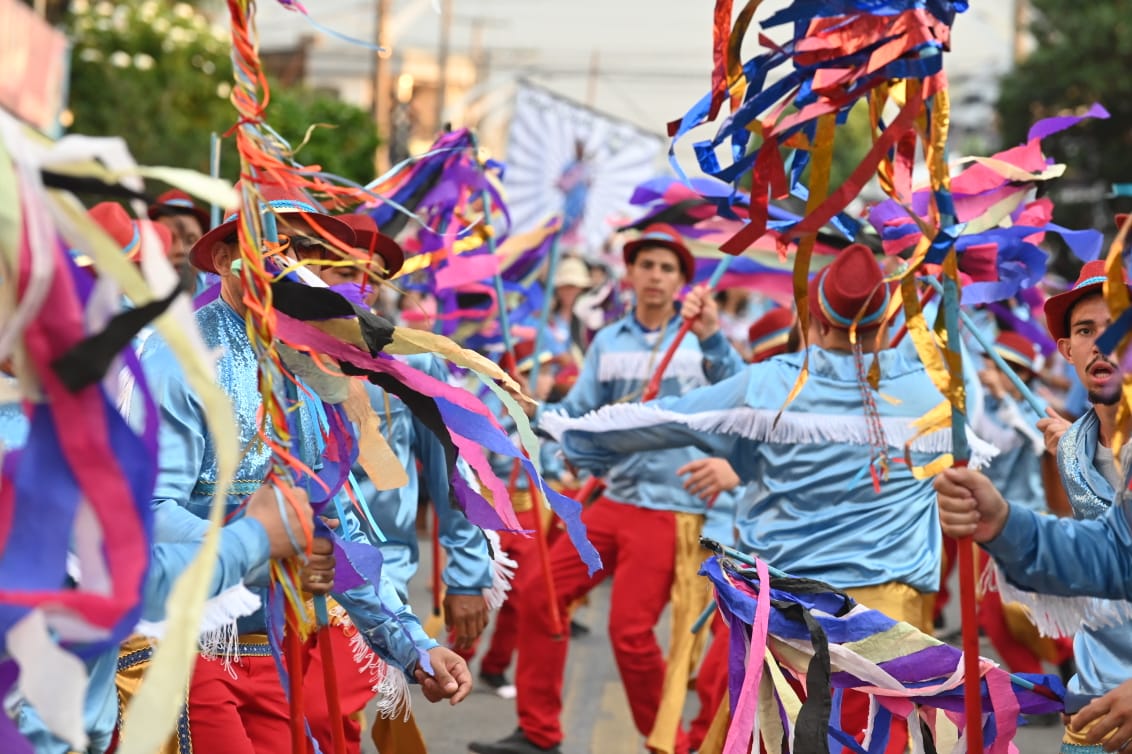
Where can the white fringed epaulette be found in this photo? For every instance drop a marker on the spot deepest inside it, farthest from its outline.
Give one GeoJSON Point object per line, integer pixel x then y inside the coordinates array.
{"type": "Point", "coordinates": [502, 572]}
{"type": "Point", "coordinates": [767, 425]}
{"type": "Point", "coordinates": [1056, 616]}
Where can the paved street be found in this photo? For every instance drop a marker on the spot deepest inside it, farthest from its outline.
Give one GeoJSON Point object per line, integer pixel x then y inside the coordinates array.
{"type": "Point", "coordinates": [596, 718]}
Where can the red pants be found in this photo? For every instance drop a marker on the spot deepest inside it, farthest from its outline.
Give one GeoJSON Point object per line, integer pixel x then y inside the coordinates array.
{"type": "Point", "coordinates": [943, 596]}
{"type": "Point", "coordinates": [638, 548]}
{"type": "Point", "coordinates": [355, 691]}
{"type": "Point", "coordinates": [711, 680]}
{"type": "Point", "coordinates": [248, 714]}
{"type": "Point", "coordinates": [524, 551]}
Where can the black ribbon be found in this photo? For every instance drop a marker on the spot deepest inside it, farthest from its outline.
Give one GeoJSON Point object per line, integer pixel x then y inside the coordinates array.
{"type": "Point", "coordinates": [308, 303]}
{"type": "Point", "coordinates": [88, 361]}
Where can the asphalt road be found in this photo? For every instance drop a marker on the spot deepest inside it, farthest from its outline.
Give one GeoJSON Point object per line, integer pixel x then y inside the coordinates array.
{"type": "Point", "coordinates": [596, 716]}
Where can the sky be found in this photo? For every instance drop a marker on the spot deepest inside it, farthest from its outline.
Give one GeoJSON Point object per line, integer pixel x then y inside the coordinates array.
{"type": "Point", "coordinates": [653, 56]}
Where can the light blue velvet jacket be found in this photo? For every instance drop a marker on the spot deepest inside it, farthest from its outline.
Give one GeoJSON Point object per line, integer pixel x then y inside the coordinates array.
{"type": "Point", "coordinates": [618, 366]}
{"type": "Point", "coordinates": [810, 506]}
{"type": "Point", "coordinates": [1103, 655]}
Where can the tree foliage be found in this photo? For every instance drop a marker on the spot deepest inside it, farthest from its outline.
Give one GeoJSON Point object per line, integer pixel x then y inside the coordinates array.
{"type": "Point", "coordinates": [159, 75]}
{"type": "Point", "coordinates": [1081, 54]}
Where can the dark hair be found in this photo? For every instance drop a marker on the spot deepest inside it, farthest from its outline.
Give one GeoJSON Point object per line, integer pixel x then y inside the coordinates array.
{"type": "Point", "coordinates": [631, 257]}
{"type": "Point", "coordinates": [1069, 312]}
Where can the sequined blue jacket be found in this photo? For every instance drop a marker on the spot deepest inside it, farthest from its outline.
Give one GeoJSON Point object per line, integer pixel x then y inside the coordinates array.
{"type": "Point", "coordinates": [187, 473]}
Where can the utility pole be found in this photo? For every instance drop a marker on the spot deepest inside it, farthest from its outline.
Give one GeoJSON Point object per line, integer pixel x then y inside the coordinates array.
{"type": "Point", "coordinates": [1021, 29]}
{"type": "Point", "coordinates": [591, 82]}
{"type": "Point", "coordinates": [476, 51]}
{"type": "Point", "coordinates": [442, 61]}
{"type": "Point", "coordinates": [380, 97]}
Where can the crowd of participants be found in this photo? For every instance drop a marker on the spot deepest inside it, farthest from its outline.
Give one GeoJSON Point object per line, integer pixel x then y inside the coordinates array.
{"type": "Point", "coordinates": [821, 491]}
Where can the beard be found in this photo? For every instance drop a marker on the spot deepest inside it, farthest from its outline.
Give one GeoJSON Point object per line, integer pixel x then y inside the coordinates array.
{"type": "Point", "coordinates": [1110, 398]}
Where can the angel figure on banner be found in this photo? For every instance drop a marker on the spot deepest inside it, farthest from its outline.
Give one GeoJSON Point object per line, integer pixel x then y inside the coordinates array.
{"type": "Point", "coordinates": [574, 183]}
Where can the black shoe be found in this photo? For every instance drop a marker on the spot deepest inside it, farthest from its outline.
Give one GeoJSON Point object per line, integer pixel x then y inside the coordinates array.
{"type": "Point", "coordinates": [495, 680]}
{"type": "Point", "coordinates": [516, 743]}
{"type": "Point", "coordinates": [578, 630]}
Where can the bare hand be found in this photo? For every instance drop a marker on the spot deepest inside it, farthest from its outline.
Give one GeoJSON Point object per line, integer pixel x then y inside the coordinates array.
{"type": "Point", "coordinates": [1107, 719]}
{"type": "Point", "coordinates": [263, 507]}
{"type": "Point", "coordinates": [467, 615]}
{"type": "Point", "coordinates": [527, 403]}
{"type": "Point", "coordinates": [1053, 427]}
{"type": "Point", "coordinates": [318, 573]}
{"type": "Point", "coordinates": [700, 307]}
{"type": "Point", "coordinates": [451, 678]}
{"type": "Point", "coordinates": [969, 505]}
{"type": "Point", "coordinates": [707, 477]}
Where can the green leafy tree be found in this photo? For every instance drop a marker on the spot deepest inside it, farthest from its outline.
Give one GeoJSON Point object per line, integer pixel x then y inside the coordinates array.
{"type": "Point", "coordinates": [1081, 54]}
{"type": "Point", "coordinates": [159, 75]}
{"type": "Point", "coordinates": [325, 131]}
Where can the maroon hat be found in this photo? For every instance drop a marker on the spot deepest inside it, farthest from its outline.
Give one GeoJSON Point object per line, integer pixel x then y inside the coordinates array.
{"type": "Point", "coordinates": [770, 334]}
{"type": "Point", "coordinates": [125, 231]}
{"type": "Point", "coordinates": [1017, 349]}
{"type": "Point", "coordinates": [177, 202]}
{"type": "Point", "coordinates": [1057, 308]}
{"type": "Point", "coordinates": [525, 356]}
{"type": "Point", "coordinates": [850, 290]}
{"type": "Point", "coordinates": [368, 238]}
{"type": "Point", "coordinates": [665, 237]}
{"type": "Point", "coordinates": [295, 204]}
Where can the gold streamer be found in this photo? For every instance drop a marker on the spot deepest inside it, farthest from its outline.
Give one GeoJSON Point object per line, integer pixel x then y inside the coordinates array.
{"type": "Point", "coordinates": [1117, 298]}
{"type": "Point", "coordinates": [822, 164]}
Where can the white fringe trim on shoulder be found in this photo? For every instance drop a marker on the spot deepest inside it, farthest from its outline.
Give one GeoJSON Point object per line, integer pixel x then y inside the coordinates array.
{"type": "Point", "coordinates": [502, 572]}
{"type": "Point", "coordinates": [1057, 616]}
{"type": "Point", "coordinates": [758, 424]}
{"type": "Point", "coordinates": [219, 634]}
{"type": "Point", "coordinates": [389, 684]}
{"type": "Point", "coordinates": [687, 365]}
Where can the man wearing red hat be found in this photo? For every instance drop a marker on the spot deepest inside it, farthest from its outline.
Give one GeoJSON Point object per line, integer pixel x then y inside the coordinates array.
{"type": "Point", "coordinates": [1009, 423]}
{"type": "Point", "coordinates": [825, 498]}
{"type": "Point", "coordinates": [186, 221]}
{"type": "Point", "coordinates": [468, 573]}
{"type": "Point", "coordinates": [236, 702]}
{"type": "Point", "coordinates": [1076, 318]}
{"type": "Point", "coordinates": [772, 334]}
{"type": "Point", "coordinates": [635, 524]}
{"type": "Point", "coordinates": [125, 231]}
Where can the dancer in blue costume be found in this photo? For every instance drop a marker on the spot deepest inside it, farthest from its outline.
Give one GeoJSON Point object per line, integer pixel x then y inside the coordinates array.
{"type": "Point", "coordinates": [248, 713]}
{"type": "Point", "coordinates": [645, 507]}
{"type": "Point", "coordinates": [825, 498]}
{"type": "Point", "coordinates": [1089, 472]}
{"type": "Point", "coordinates": [468, 574]}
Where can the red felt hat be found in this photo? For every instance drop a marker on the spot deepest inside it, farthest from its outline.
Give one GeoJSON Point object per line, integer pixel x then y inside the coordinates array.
{"type": "Point", "coordinates": [295, 206]}
{"type": "Point", "coordinates": [124, 230]}
{"type": "Point", "coordinates": [850, 290]}
{"type": "Point", "coordinates": [177, 202]}
{"type": "Point", "coordinates": [770, 334]}
{"type": "Point", "coordinates": [1017, 350]}
{"type": "Point", "coordinates": [524, 356]}
{"type": "Point", "coordinates": [1057, 308]}
{"type": "Point", "coordinates": [369, 238]}
{"type": "Point", "coordinates": [662, 236]}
